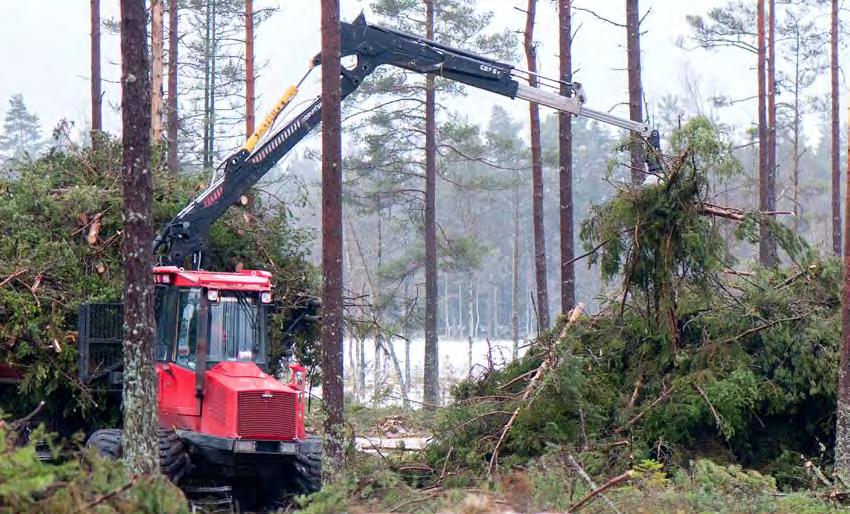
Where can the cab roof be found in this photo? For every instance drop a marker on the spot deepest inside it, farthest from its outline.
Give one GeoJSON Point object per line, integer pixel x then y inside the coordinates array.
{"type": "Point", "coordinates": [245, 280]}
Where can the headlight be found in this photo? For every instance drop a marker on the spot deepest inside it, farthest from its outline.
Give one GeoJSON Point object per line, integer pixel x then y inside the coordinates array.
{"type": "Point", "coordinates": [212, 295]}
{"type": "Point", "coordinates": [266, 297]}
{"type": "Point", "coordinates": [245, 446]}
{"type": "Point", "coordinates": [287, 448]}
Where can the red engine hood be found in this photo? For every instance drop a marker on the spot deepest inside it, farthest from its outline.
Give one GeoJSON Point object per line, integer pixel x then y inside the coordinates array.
{"type": "Point", "coordinates": [245, 376]}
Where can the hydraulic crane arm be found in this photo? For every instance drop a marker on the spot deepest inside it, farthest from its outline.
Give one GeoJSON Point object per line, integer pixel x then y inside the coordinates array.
{"type": "Point", "coordinates": [372, 46]}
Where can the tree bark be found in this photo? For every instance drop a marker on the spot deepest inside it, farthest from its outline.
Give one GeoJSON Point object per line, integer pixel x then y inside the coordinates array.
{"type": "Point", "coordinates": [156, 70]}
{"type": "Point", "coordinates": [332, 354]}
{"type": "Point", "coordinates": [842, 428]}
{"type": "Point", "coordinates": [249, 68]}
{"type": "Point", "coordinates": [635, 88]}
{"type": "Point", "coordinates": [96, 94]}
{"type": "Point", "coordinates": [515, 278]}
{"type": "Point", "coordinates": [173, 120]}
{"type": "Point", "coordinates": [207, 86]}
{"type": "Point", "coordinates": [836, 138]}
{"type": "Point", "coordinates": [140, 396]}
{"type": "Point", "coordinates": [773, 259]}
{"type": "Point", "coordinates": [536, 175]}
{"type": "Point", "coordinates": [432, 364]}
{"type": "Point", "coordinates": [565, 162]}
{"type": "Point", "coordinates": [764, 243]}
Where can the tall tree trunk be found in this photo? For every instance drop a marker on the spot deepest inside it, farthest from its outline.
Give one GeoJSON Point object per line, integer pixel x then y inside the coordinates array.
{"type": "Point", "coordinates": [764, 202]}
{"type": "Point", "coordinates": [447, 320]}
{"type": "Point", "coordinates": [773, 259]}
{"type": "Point", "coordinates": [432, 364]}
{"type": "Point", "coordinates": [332, 359]}
{"type": "Point", "coordinates": [173, 120]}
{"type": "Point", "coordinates": [565, 161]}
{"type": "Point", "coordinates": [795, 171]}
{"type": "Point", "coordinates": [842, 428]}
{"type": "Point", "coordinates": [207, 89]}
{"type": "Point", "coordinates": [211, 115]}
{"type": "Point", "coordinates": [635, 88]}
{"type": "Point", "coordinates": [96, 117]}
{"type": "Point", "coordinates": [156, 70]}
{"type": "Point", "coordinates": [470, 311]}
{"type": "Point", "coordinates": [139, 396]}
{"type": "Point", "coordinates": [836, 138]}
{"type": "Point", "coordinates": [515, 278]}
{"type": "Point", "coordinates": [249, 68]}
{"type": "Point", "coordinates": [536, 174]}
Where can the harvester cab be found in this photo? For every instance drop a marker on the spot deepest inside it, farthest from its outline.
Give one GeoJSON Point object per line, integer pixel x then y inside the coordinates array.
{"type": "Point", "coordinates": [223, 418]}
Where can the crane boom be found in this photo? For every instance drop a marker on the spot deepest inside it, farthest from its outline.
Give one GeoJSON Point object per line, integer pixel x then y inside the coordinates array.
{"type": "Point", "coordinates": [373, 46]}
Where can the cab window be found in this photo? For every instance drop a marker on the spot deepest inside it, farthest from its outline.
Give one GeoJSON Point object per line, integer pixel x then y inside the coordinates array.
{"type": "Point", "coordinates": [187, 327]}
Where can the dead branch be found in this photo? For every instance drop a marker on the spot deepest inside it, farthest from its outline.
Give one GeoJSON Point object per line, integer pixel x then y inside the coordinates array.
{"type": "Point", "coordinates": [714, 413]}
{"type": "Point", "coordinates": [532, 384]}
{"type": "Point", "coordinates": [589, 481]}
{"type": "Point", "coordinates": [13, 276]}
{"type": "Point", "coordinates": [664, 395]}
{"type": "Point", "coordinates": [599, 490]}
{"type": "Point", "coordinates": [816, 471]}
{"type": "Point", "coordinates": [94, 229]}
{"type": "Point", "coordinates": [111, 494]}
{"type": "Point", "coordinates": [636, 391]}
{"type": "Point", "coordinates": [730, 213]}
{"type": "Point", "coordinates": [759, 328]}
{"type": "Point", "coordinates": [739, 273]}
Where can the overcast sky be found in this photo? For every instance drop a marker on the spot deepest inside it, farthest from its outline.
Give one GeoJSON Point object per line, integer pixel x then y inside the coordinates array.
{"type": "Point", "coordinates": [44, 46]}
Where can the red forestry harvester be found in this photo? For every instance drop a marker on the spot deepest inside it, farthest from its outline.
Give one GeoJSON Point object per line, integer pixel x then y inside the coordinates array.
{"type": "Point", "coordinates": [226, 425]}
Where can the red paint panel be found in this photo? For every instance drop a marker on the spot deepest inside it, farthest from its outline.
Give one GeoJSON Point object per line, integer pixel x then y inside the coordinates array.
{"type": "Point", "coordinates": [267, 415]}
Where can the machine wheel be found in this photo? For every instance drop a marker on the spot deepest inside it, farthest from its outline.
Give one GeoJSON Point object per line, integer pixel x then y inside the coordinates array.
{"type": "Point", "coordinates": [107, 442]}
{"type": "Point", "coordinates": [307, 470]}
{"type": "Point", "coordinates": [173, 459]}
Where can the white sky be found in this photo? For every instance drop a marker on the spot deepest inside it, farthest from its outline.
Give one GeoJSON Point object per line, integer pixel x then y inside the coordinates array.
{"type": "Point", "coordinates": [44, 46]}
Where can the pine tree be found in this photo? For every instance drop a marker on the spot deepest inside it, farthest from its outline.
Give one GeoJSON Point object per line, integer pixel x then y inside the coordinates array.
{"type": "Point", "coordinates": [21, 132]}
{"type": "Point", "coordinates": [140, 386]}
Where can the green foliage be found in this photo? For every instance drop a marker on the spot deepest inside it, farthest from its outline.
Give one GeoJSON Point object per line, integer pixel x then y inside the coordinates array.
{"type": "Point", "coordinates": [21, 133]}
{"type": "Point", "coordinates": [47, 266]}
{"type": "Point", "coordinates": [76, 483]}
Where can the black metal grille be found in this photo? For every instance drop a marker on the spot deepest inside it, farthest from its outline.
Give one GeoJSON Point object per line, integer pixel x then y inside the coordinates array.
{"type": "Point", "coordinates": [101, 332]}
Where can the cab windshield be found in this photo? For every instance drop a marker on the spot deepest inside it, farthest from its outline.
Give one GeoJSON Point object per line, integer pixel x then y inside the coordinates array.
{"type": "Point", "coordinates": [236, 328]}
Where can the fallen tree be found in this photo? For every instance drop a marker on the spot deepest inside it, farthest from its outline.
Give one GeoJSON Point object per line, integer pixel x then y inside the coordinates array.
{"type": "Point", "coordinates": [685, 360]}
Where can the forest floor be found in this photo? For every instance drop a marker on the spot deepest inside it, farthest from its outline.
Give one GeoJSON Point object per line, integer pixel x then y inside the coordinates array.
{"type": "Point", "coordinates": [387, 472]}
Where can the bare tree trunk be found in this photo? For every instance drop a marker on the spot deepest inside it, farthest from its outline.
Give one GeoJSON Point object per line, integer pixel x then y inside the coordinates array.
{"type": "Point", "coordinates": [836, 139]}
{"type": "Point", "coordinates": [403, 385]}
{"type": "Point", "coordinates": [332, 358]}
{"type": "Point", "coordinates": [432, 365]}
{"type": "Point", "coordinates": [447, 320]}
{"type": "Point", "coordinates": [635, 88]}
{"type": "Point", "coordinates": [493, 326]}
{"type": "Point", "coordinates": [211, 115]}
{"type": "Point", "coordinates": [536, 174]}
{"type": "Point", "coordinates": [470, 311]}
{"type": "Point", "coordinates": [842, 428]}
{"type": "Point", "coordinates": [207, 85]}
{"type": "Point", "coordinates": [361, 366]}
{"type": "Point", "coordinates": [565, 162]}
{"type": "Point", "coordinates": [173, 120]}
{"type": "Point", "coordinates": [771, 125]}
{"type": "Point", "coordinates": [141, 455]}
{"type": "Point", "coordinates": [156, 70]}
{"type": "Point", "coordinates": [515, 278]}
{"type": "Point", "coordinates": [764, 202]}
{"type": "Point", "coordinates": [407, 365]}
{"type": "Point", "coordinates": [795, 172]}
{"type": "Point", "coordinates": [96, 94]}
{"type": "Point", "coordinates": [249, 67]}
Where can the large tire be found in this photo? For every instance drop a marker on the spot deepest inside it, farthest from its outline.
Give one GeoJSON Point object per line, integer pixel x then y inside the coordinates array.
{"type": "Point", "coordinates": [107, 442]}
{"type": "Point", "coordinates": [307, 469]}
{"type": "Point", "coordinates": [173, 459]}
